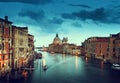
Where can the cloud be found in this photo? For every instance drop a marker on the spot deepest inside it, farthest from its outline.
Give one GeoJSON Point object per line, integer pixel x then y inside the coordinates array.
{"type": "Point", "coordinates": [39, 19]}
{"type": "Point", "coordinates": [76, 24]}
{"type": "Point", "coordinates": [41, 2]}
{"type": "Point", "coordinates": [34, 15]}
{"type": "Point", "coordinates": [80, 5]}
{"type": "Point", "coordinates": [102, 15]}
{"type": "Point", "coordinates": [68, 16]}
{"type": "Point", "coordinates": [97, 14]}
{"type": "Point", "coordinates": [55, 20]}
{"type": "Point", "coordinates": [52, 25]}
{"type": "Point", "coordinates": [118, 6]}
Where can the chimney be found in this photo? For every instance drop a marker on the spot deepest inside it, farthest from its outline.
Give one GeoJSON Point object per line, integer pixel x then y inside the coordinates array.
{"type": "Point", "coordinates": [6, 18]}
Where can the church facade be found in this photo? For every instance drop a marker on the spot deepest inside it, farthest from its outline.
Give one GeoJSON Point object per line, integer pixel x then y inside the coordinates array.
{"type": "Point", "coordinates": [62, 46]}
{"type": "Point", "coordinates": [57, 45]}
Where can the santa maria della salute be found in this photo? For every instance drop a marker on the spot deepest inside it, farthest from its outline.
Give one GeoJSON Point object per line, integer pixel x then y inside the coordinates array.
{"type": "Point", "coordinates": [62, 46]}
{"type": "Point", "coordinates": [58, 41]}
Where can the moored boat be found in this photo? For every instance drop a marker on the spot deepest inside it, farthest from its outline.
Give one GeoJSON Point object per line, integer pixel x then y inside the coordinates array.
{"type": "Point", "coordinates": [116, 67]}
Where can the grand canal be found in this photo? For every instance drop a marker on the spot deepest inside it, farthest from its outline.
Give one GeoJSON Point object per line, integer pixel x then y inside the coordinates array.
{"type": "Point", "coordinates": [70, 69]}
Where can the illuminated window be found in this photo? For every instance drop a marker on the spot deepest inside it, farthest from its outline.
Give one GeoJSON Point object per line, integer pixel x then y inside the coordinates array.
{"type": "Point", "coordinates": [0, 57]}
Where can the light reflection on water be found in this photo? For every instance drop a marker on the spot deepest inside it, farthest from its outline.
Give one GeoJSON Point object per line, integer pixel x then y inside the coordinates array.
{"type": "Point", "coordinates": [70, 69]}
{"type": "Point", "coordinates": [76, 63]}
{"type": "Point", "coordinates": [86, 60]}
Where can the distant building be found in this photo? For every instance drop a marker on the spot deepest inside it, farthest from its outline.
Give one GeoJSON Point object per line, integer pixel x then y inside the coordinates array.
{"type": "Point", "coordinates": [57, 40]}
{"type": "Point", "coordinates": [73, 49]}
{"type": "Point", "coordinates": [65, 40]}
{"type": "Point", "coordinates": [56, 46]}
{"type": "Point", "coordinates": [96, 47]}
{"type": "Point", "coordinates": [61, 46]}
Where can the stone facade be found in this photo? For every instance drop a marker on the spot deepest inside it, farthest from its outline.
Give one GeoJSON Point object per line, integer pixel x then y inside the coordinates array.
{"type": "Point", "coordinates": [96, 47]}
{"type": "Point", "coordinates": [5, 44]}
{"type": "Point", "coordinates": [16, 45]}
{"type": "Point", "coordinates": [114, 48]}
{"type": "Point", "coordinates": [30, 47]}
{"type": "Point", "coordinates": [103, 48]}
{"type": "Point", "coordinates": [20, 45]}
{"type": "Point", "coordinates": [61, 46]}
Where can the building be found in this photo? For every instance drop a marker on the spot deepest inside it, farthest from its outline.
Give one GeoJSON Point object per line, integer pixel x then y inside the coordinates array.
{"type": "Point", "coordinates": [5, 44]}
{"type": "Point", "coordinates": [65, 40]}
{"type": "Point", "coordinates": [20, 46]}
{"type": "Point", "coordinates": [30, 47]}
{"type": "Point", "coordinates": [62, 46]}
{"type": "Point", "coordinates": [56, 46]}
{"type": "Point", "coordinates": [96, 47]}
{"type": "Point", "coordinates": [16, 46]}
{"type": "Point", "coordinates": [114, 48]}
{"type": "Point", "coordinates": [82, 49]}
{"type": "Point", "coordinates": [73, 49]}
{"type": "Point", "coordinates": [57, 40]}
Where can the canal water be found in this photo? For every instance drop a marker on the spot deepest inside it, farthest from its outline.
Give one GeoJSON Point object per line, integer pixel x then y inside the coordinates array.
{"type": "Point", "coordinates": [70, 69]}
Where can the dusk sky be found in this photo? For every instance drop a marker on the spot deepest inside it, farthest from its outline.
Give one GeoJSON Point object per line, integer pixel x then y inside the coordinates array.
{"type": "Point", "coordinates": [75, 19]}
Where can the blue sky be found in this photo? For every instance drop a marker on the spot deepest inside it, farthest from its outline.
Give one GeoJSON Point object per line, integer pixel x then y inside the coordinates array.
{"type": "Point", "coordinates": [75, 19]}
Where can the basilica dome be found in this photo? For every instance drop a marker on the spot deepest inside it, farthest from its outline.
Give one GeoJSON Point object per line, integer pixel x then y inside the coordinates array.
{"type": "Point", "coordinates": [57, 40]}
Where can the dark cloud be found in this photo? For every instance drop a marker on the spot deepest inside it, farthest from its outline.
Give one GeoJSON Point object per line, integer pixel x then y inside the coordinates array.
{"type": "Point", "coordinates": [80, 5]}
{"type": "Point", "coordinates": [55, 20]}
{"type": "Point", "coordinates": [52, 25]}
{"type": "Point", "coordinates": [34, 15]}
{"type": "Point", "coordinates": [38, 18]}
{"type": "Point", "coordinates": [42, 2]}
{"type": "Point", "coordinates": [68, 16]}
{"type": "Point", "coordinates": [76, 24]}
{"type": "Point", "coordinates": [99, 14]}
{"type": "Point", "coordinates": [118, 6]}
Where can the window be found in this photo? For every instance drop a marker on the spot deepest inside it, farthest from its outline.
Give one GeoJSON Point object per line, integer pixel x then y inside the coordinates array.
{"type": "Point", "coordinates": [107, 54]}
{"type": "Point", "coordinates": [119, 49]}
{"type": "Point", "coordinates": [21, 42]}
{"type": "Point", "coordinates": [2, 46]}
{"type": "Point", "coordinates": [100, 45]}
{"type": "Point", "coordinates": [107, 49]}
{"type": "Point", "coordinates": [114, 55]}
{"type": "Point", "coordinates": [3, 29]}
{"type": "Point", "coordinates": [3, 57]}
{"type": "Point", "coordinates": [113, 49]}
{"type": "Point", "coordinates": [113, 41]}
{"type": "Point", "coordinates": [0, 30]}
{"type": "Point", "coordinates": [9, 30]}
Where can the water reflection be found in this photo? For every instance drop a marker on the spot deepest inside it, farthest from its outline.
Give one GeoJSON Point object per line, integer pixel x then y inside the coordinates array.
{"type": "Point", "coordinates": [64, 58]}
{"type": "Point", "coordinates": [86, 60]}
{"type": "Point", "coordinates": [69, 69]}
{"type": "Point", "coordinates": [25, 74]}
{"type": "Point", "coordinates": [76, 63]}
{"type": "Point", "coordinates": [102, 65]}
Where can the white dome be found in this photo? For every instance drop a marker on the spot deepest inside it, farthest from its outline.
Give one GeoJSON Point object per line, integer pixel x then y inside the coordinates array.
{"type": "Point", "coordinates": [57, 40]}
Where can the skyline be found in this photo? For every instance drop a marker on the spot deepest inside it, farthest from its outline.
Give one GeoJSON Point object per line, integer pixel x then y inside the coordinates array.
{"type": "Point", "coordinates": [75, 19]}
